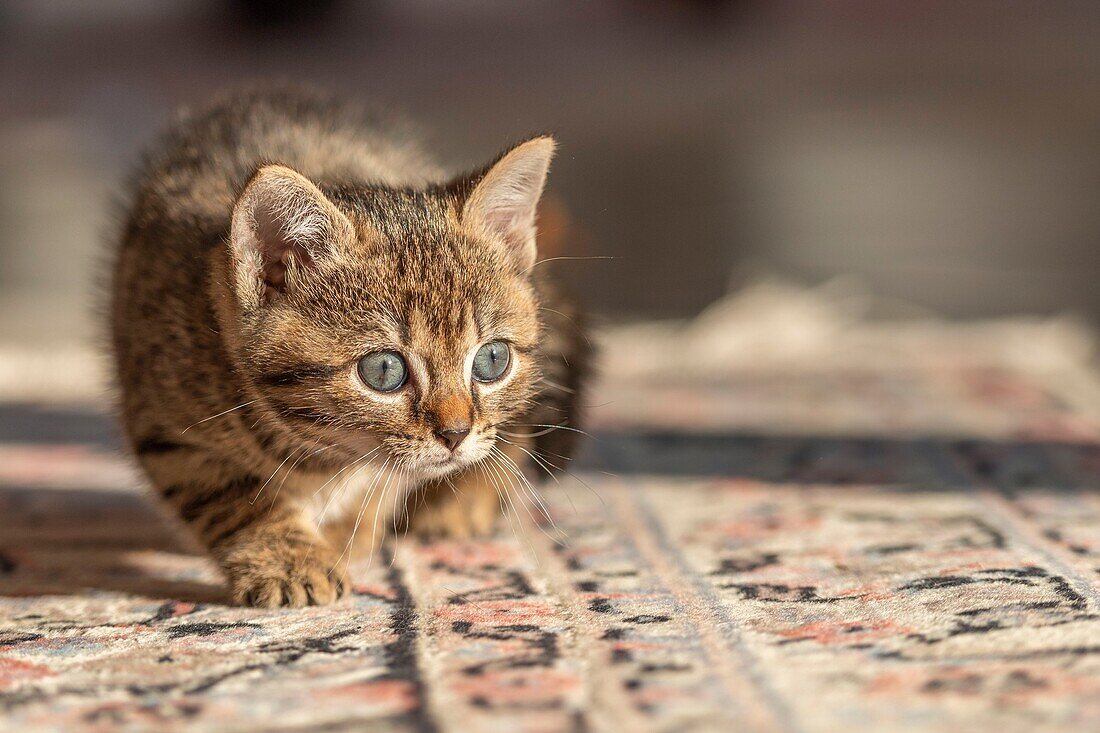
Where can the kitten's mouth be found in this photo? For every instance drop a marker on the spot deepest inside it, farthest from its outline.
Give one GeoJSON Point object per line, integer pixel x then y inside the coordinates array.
{"type": "Point", "coordinates": [442, 466]}
{"type": "Point", "coordinates": [452, 462]}
{"type": "Point", "coordinates": [439, 469]}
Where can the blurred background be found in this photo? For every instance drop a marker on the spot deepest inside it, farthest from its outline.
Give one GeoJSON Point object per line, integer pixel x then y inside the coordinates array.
{"type": "Point", "coordinates": [944, 154]}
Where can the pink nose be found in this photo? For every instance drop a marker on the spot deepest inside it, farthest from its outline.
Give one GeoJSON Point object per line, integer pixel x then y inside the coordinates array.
{"type": "Point", "coordinates": [452, 438]}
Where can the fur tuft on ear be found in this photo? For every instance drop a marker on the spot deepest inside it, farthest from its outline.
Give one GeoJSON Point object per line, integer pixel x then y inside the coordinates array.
{"type": "Point", "coordinates": [504, 199]}
{"type": "Point", "coordinates": [282, 226]}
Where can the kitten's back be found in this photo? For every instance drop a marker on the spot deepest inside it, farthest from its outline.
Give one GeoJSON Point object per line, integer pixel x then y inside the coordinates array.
{"type": "Point", "coordinates": [193, 174]}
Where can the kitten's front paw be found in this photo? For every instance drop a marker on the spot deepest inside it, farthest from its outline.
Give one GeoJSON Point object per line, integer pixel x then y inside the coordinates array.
{"type": "Point", "coordinates": [284, 575]}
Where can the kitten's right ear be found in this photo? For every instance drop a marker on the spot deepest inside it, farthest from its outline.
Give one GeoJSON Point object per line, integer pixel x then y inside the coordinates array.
{"type": "Point", "coordinates": [505, 197]}
{"type": "Point", "coordinates": [282, 227]}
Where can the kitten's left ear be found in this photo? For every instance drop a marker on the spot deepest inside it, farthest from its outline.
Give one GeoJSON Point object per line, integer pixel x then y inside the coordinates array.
{"type": "Point", "coordinates": [282, 228]}
{"type": "Point", "coordinates": [505, 198]}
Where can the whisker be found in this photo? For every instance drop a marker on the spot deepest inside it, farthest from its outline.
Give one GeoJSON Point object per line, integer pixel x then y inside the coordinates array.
{"type": "Point", "coordinates": [223, 412]}
{"type": "Point", "coordinates": [555, 427]}
{"type": "Point", "coordinates": [497, 466]}
{"type": "Point", "coordinates": [502, 490]}
{"type": "Point", "coordinates": [526, 485]}
{"type": "Point", "coordinates": [418, 500]}
{"type": "Point", "coordinates": [543, 453]}
{"type": "Point", "coordinates": [343, 487]}
{"type": "Point", "coordinates": [577, 326]}
{"type": "Point", "coordinates": [555, 259]}
{"type": "Point", "coordinates": [396, 494]}
{"type": "Point", "coordinates": [305, 454]}
{"type": "Point", "coordinates": [400, 488]}
{"type": "Point", "coordinates": [585, 484]}
{"type": "Point", "coordinates": [500, 497]}
{"type": "Point", "coordinates": [539, 434]}
{"type": "Point", "coordinates": [513, 470]}
{"type": "Point", "coordinates": [464, 598]}
{"type": "Point", "coordinates": [377, 510]}
{"type": "Point", "coordinates": [277, 469]}
{"type": "Point", "coordinates": [555, 385]}
{"type": "Point", "coordinates": [539, 463]}
{"type": "Point", "coordinates": [573, 476]}
{"type": "Point", "coordinates": [362, 509]}
{"type": "Point", "coordinates": [535, 458]}
{"type": "Point", "coordinates": [366, 455]}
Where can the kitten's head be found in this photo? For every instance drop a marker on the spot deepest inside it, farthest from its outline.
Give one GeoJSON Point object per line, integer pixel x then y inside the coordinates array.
{"type": "Point", "coordinates": [397, 321]}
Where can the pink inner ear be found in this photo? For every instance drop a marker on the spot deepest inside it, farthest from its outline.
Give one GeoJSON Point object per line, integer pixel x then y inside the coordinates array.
{"type": "Point", "coordinates": [510, 224]}
{"type": "Point", "coordinates": [504, 201]}
{"type": "Point", "coordinates": [506, 207]}
{"type": "Point", "coordinates": [277, 245]}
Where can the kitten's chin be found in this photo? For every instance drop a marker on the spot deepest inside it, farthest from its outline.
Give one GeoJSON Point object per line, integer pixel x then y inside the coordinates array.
{"type": "Point", "coordinates": [431, 470]}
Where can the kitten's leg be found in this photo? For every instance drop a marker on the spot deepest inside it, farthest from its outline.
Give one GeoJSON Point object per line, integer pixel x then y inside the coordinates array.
{"type": "Point", "coordinates": [359, 532]}
{"type": "Point", "coordinates": [469, 503]}
{"type": "Point", "coordinates": [469, 509]}
{"type": "Point", "coordinates": [272, 554]}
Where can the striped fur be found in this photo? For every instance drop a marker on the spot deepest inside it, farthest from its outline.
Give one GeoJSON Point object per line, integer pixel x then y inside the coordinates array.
{"type": "Point", "coordinates": [271, 242]}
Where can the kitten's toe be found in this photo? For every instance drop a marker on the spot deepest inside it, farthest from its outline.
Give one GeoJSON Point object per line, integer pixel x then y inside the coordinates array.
{"type": "Point", "coordinates": [273, 592]}
{"type": "Point", "coordinates": [295, 581]}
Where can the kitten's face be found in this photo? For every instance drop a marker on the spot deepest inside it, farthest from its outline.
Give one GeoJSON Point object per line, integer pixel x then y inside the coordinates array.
{"type": "Point", "coordinates": [387, 352]}
{"type": "Point", "coordinates": [409, 334]}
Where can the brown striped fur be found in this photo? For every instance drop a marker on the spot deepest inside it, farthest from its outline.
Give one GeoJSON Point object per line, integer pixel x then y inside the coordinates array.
{"type": "Point", "coordinates": [273, 240]}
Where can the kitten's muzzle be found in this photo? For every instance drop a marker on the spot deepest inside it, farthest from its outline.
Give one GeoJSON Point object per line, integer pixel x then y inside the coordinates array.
{"type": "Point", "coordinates": [452, 416]}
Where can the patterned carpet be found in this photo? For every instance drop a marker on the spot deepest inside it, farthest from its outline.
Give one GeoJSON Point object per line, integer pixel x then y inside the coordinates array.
{"type": "Point", "coordinates": [823, 526]}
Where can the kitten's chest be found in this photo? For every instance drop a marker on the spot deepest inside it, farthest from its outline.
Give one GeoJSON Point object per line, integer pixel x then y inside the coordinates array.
{"type": "Point", "coordinates": [364, 494]}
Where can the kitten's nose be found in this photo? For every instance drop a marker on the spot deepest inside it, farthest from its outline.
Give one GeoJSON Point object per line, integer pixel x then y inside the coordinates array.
{"type": "Point", "coordinates": [452, 438]}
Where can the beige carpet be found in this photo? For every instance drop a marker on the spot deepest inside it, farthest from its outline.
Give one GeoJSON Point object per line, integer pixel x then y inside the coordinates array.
{"type": "Point", "coordinates": [789, 519]}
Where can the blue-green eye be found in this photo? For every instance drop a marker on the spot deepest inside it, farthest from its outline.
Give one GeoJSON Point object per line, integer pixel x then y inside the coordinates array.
{"type": "Point", "coordinates": [383, 371]}
{"type": "Point", "coordinates": [491, 361]}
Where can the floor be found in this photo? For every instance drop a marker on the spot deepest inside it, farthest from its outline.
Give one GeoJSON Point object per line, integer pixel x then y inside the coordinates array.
{"type": "Point", "coordinates": [817, 524]}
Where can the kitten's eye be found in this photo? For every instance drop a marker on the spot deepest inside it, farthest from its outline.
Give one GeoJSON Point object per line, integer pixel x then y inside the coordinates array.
{"type": "Point", "coordinates": [383, 370]}
{"type": "Point", "coordinates": [491, 361]}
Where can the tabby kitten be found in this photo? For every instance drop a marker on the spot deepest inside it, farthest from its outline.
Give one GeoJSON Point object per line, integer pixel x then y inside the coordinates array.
{"type": "Point", "coordinates": [319, 335]}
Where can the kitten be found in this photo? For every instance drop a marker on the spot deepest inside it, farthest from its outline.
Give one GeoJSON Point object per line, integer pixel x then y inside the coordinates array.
{"type": "Point", "coordinates": [319, 335]}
